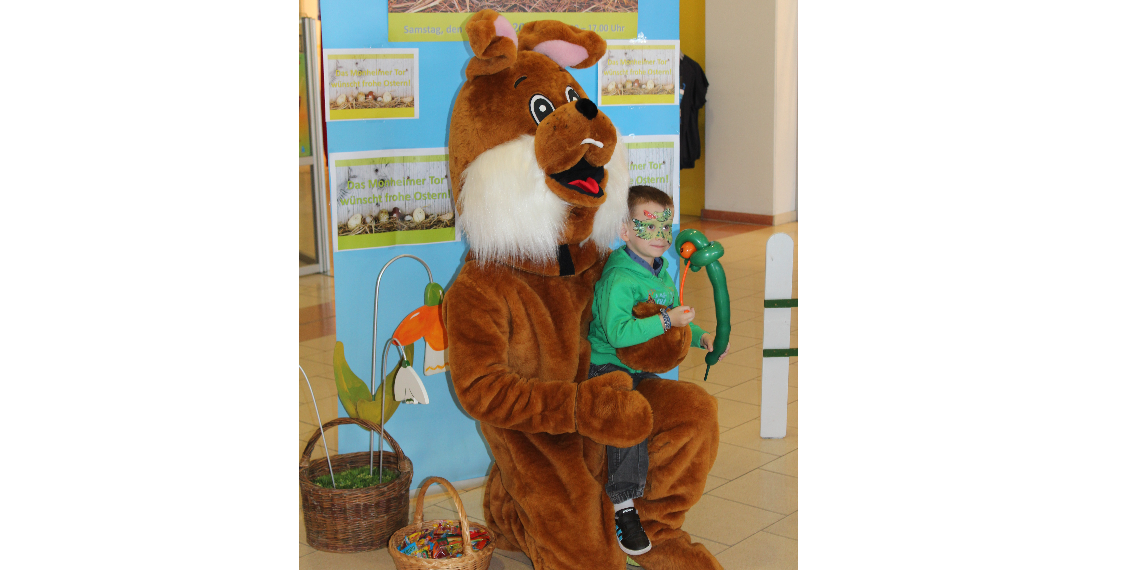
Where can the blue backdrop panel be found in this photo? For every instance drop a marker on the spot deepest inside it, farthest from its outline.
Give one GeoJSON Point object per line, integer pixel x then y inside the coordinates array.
{"type": "Point", "coordinates": [439, 438]}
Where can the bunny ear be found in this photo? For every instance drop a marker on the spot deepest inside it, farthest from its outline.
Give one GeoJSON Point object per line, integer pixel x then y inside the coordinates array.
{"type": "Point", "coordinates": [566, 45]}
{"type": "Point", "coordinates": [494, 42]}
{"type": "Point", "coordinates": [563, 53]}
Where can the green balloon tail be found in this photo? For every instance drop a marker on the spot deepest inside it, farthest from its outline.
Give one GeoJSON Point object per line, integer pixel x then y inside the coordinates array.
{"type": "Point", "coordinates": [723, 313]}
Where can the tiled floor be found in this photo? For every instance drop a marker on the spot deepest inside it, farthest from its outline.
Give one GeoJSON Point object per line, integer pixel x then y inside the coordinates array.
{"type": "Point", "coordinates": [749, 513]}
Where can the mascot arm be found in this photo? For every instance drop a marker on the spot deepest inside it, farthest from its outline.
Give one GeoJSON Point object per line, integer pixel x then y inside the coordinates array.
{"type": "Point", "coordinates": [603, 408]}
{"type": "Point", "coordinates": [478, 326]}
{"type": "Point", "coordinates": [621, 327]}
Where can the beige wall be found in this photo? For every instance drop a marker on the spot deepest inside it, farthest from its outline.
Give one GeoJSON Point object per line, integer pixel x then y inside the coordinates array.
{"type": "Point", "coordinates": [751, 123]}
{"type": "Point", "coordinates": [784, 162]}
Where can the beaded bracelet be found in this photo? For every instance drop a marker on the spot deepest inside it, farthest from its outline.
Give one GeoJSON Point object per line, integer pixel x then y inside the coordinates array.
{"type": "Point", "coordinates": [665, 317]}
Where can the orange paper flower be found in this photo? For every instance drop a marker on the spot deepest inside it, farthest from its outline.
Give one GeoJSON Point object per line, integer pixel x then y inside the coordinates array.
{"type": "Point", "coordinates": [425, 322]}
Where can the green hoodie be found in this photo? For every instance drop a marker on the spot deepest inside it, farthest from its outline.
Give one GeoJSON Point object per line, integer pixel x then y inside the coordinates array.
{"type": "Point", "coordinates": [625, 283]}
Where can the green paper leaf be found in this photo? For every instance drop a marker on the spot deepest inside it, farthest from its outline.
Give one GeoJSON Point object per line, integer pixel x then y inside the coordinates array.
{"type": "Point", "coordinates": [350, 388]}
{"type": "Point", "coordinates": [433, 294]}
{"type": "Point", "coordinates": [370, 410]}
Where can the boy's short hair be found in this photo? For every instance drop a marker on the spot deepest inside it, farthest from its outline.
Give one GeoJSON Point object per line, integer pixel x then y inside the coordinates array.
{"type": "Point", "coordinates": [643, 194]}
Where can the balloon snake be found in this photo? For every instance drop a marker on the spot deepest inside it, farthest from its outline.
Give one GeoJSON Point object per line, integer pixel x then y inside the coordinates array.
{"type": "Point", "coordinates": [698, 252]}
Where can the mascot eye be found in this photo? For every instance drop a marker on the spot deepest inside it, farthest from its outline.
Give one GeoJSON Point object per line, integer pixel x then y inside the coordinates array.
{"type": "Point", "coordinates": [571, 95]}
{"type": "Point", "coordinates": [540, 107]}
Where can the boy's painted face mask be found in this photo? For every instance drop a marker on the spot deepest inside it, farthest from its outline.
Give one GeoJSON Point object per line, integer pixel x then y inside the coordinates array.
{"type": "Point", "coordinates": [658, 226]}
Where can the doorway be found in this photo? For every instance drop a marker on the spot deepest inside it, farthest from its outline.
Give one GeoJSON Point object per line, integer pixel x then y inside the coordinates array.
{"type": "Point", "coordinates": [313, 247]}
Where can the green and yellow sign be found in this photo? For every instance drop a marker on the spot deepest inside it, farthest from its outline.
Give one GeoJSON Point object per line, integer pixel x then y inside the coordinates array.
{"type": "Point", "coordinates": [391, 197]}
{"type": "Point", "coordinates": [448, 26]}
{"type": "Point", "coordinates": [372, 84]}
{"type": "Point", "coordinates": [640, 73]}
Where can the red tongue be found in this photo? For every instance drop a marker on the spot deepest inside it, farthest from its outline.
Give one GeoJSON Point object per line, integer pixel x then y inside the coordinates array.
{"type": "Point", "coordinates": [588, 185]}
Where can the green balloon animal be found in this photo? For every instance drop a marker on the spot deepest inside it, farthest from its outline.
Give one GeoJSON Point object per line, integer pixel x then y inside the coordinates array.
{"type": "Point", "coordinates": [699, 252]}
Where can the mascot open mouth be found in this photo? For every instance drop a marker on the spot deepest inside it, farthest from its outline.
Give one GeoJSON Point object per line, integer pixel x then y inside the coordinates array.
{"type": "Point", "coordinates": [583, 178]}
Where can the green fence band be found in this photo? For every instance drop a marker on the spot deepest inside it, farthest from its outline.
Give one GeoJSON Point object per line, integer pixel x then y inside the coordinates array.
{"type": "Point", "coordinates": [778, 352]}
{"type": "Point", "coordinates": [781, 303]}
{"type": "Point", "coordinates": [650, 145]}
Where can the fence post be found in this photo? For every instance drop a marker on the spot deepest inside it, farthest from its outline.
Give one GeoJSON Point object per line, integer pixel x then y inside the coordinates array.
{"type": "Point", "coordinates": [778, 303]}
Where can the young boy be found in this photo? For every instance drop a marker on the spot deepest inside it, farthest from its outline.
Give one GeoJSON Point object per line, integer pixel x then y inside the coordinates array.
{"type": "Point", "coordinates": [635, 273]}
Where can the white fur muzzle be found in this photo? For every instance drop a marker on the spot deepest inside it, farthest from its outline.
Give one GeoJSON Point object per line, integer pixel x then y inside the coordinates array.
{"type": "Point", "coordinates": [509, 214]}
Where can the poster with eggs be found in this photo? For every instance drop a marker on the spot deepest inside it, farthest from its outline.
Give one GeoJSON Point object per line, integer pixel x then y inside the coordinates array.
{"type": "Point", "coordinates": [372, 84]}
{"type": "Point", "coordinates": [638, 72]}
{"type": "Point", "coordinates": [655, 160]}
{"type": "Point", "coordinates": [391, 197]}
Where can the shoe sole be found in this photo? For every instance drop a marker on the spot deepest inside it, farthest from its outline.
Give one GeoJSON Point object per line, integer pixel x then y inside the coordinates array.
{"type": "Point", "coordinates": [635, 552]}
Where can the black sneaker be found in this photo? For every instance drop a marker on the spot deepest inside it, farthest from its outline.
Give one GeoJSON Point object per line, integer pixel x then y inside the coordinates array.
{"type": "Point", "coordinates": [631, 537]}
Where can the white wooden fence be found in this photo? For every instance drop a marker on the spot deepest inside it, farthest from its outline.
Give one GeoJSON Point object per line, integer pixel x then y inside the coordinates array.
{"type": "Point", "coordinates": [778, 303]}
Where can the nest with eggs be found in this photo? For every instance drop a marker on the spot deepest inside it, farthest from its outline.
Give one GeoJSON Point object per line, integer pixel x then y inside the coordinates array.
{"type": "Point", "coordinates": [371, 103]}
{"type": "Point", "coordinates": [371, 225]}
{"type": "Point", "coordinates": [638, 90]}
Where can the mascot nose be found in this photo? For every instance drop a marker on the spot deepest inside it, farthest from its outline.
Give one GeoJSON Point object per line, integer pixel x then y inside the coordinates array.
{"type": "Point", "coordinates": [587, 108]}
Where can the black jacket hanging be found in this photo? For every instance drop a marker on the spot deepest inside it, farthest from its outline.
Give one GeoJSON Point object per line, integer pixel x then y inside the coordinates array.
{"type": "Point", "coordinates": [694, 85]}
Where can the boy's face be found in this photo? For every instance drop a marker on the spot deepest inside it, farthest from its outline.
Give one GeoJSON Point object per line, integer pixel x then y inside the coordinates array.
{"type": "Point", "coordinates": [650, 231]}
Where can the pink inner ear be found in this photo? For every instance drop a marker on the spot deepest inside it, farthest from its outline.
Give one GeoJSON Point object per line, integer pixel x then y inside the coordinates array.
{"type": "Point", "coordinates": [505, 29]}
{"type": "Point", "coordinates": [563, 53]}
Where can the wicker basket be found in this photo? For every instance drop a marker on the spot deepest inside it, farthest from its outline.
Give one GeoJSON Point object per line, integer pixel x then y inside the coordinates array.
{"type": "Point", "coordinates": [471, 560]}
{"type": "Point", "coordinates": [354, 520]}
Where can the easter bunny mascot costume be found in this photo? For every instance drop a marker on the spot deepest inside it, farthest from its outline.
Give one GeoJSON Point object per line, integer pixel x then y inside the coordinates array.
{"type": "Point", "coordinates": [541, 180]}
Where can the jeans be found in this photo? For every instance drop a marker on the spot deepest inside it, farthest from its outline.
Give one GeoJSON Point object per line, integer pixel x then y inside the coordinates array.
{"type": "Point", "coordinates": [628, 466]}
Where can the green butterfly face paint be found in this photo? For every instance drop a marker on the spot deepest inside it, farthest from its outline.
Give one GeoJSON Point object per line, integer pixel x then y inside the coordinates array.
{"type": "Point", "coordinates": [658, 226]}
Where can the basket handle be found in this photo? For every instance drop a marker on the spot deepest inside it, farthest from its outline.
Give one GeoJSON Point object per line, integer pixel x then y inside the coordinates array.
{"type": "Point", "coordinates": [419, 519]}
{"type": "Point", "coordinates": [402, 462]}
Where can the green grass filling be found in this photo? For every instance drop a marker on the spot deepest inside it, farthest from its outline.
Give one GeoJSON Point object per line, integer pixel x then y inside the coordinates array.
{"type": "Point", "coordinates": [357, 478]}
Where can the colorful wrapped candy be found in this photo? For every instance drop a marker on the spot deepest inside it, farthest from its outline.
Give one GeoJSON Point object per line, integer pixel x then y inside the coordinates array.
{"type": "Point", "coordinates": [443, 540]}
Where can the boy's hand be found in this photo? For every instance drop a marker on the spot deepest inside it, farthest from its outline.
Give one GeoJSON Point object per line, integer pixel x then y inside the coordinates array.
{"type": "Point", "coordinates": [707, 344]}
{"type": "Point", "coordinates": [681, 316]}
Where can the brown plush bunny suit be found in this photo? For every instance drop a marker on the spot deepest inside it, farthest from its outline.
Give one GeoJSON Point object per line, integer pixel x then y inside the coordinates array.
{"type": "Point", "coordinates": [541, 182]}
{"type": "Point", "coordinates": [660, 353]}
